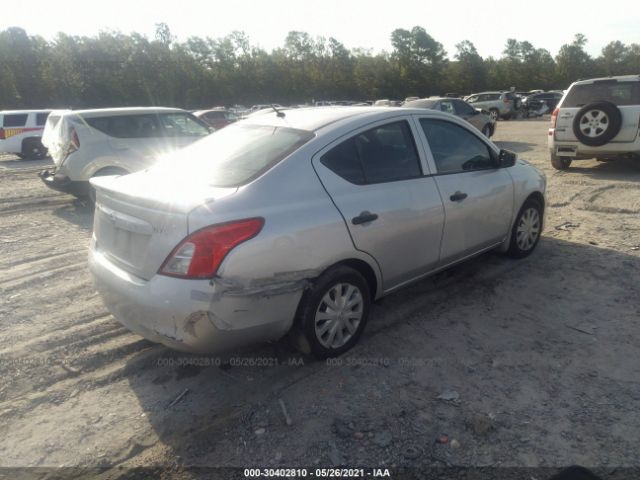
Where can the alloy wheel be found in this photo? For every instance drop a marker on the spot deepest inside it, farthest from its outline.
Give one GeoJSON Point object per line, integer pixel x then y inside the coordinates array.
{"type": "Point", "coordinates": [594, 123]}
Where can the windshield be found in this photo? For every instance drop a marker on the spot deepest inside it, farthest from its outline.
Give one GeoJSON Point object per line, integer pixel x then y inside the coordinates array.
{"type": "Point", "coordinates": [236, 154]}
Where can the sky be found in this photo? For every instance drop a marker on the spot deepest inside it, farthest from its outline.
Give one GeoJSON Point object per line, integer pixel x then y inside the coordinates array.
{"type": "Point", "coordinates": [356, 23]}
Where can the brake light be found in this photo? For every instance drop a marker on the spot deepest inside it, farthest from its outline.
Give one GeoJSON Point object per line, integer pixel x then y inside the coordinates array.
{"type": "Point", "coordinates": [505, 100]}
{"type": "Point", "coordinates": [554, 117]}
{"type": "Point", "coordinates": [201, 253]}
{"type": "Point", "coordinates": [2, 134]}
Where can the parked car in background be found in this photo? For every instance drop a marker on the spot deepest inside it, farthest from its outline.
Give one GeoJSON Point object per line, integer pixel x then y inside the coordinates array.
{"type": "Point", "coordinates": [262, 106]}
{"type": "Point", "coordinates": [208, 251]}
{"type": "Point", "coordinates": [597, 118]}
{"type": "Point", "coordinates": [482, 121]}
{"type": "Point", "coordinates": [91, 143]}
{"type": "Point", "coordinates": [21, 132]}
{"type": "Point", "coordinates": [217, 118]}
{"type": "Point", "coordinates": [498, 104]}
{"type": "Point", "coordinates": [537, 100]}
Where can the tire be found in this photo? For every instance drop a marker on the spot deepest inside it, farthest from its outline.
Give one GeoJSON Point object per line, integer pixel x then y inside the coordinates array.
{"type": "Point", "coordinates": [321, 329]}
{"type": "Point", "coordinates": [487, 131]}
{"type": "Point", "coordinates": [597, 124]}
{"type": "Point", "coordinates": [560, 163]}
{"type": "Point", "coordinates": [494, 114]}
{"type": "Point", "coordinates": [103, 173]}
{"type": "Point", "coordinates": [526, 230]}
{"type": "Point", "coordinates": [32, 149]}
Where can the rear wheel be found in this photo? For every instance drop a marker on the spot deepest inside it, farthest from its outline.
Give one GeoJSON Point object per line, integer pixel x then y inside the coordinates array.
{"type": "Point", "coordinates": [560, 163]}
{"type": "Point", "coordinates": [333, 313]}
{"type": "Point", "coordinates": [494, 114]}
{"type": "Point", "coordinates": [32, 149]}
{"type": "Point", "coordinates": [103, 173]}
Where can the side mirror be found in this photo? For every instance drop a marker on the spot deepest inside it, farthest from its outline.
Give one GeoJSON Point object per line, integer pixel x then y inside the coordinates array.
{"type": "Point", "coordinates": [506, 158]}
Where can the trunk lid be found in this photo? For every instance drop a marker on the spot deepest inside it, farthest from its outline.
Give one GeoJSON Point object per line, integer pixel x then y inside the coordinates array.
{"type": "Point", "coordinates": [140, 218]}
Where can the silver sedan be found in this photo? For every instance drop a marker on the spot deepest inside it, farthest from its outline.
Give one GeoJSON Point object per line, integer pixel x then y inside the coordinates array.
{"type": "Point", "coordinates": [295, 221]}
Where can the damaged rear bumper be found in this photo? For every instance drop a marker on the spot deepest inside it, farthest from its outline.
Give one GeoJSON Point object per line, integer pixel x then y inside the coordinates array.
{"type": "Point", "coordinates": [62, 183]}
{"type": "Point", "coordinates": [190, 315]}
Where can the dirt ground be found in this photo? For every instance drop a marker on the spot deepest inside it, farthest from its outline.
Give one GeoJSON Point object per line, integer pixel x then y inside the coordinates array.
{"type": "Point", "coordinates": [519, 363]}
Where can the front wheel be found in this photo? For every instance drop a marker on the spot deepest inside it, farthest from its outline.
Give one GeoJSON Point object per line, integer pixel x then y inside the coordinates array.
{"type": "Point", "coordinates": [494, 114]}
{"type": "Point", "coordinates": [334, 312]}
{"type": "Point", "coordinates": [526, 230]}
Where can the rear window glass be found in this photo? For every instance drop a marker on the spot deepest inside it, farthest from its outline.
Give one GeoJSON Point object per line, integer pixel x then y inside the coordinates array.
{"type": "Point", "coordinates": [15, 120]}
{"type": "Point", "coordinates": [619, 93]}
{"type": "Point", "coordinates": [41, 118]}
{"type": "Point", "coordinates": [150, 125]}
{"type": "Point", "coordinates": [182, 125]}
{"type": "Point", "coordinates": [235, 155]}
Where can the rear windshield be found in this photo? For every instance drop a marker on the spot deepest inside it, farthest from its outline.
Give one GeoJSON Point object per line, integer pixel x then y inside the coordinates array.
{"type": "Point", "coordinates": [420, 103]}
{"type": "Point", "coordinates": [15, 120]}
{"type": "Point", "coordinates": [149, 125]}
{"type": "Point", "coordinates": [619, 93]}
{"type": "Point", "coordinates": [235, 155]}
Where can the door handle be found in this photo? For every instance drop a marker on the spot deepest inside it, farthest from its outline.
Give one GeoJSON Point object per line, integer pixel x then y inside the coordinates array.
{"type": "Point", "coordinates": [458, 196]}
{"type": "Point", "coordinates": [364, 217]}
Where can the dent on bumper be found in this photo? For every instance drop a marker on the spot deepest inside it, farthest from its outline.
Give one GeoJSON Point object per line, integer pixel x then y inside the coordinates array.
{"type": "Point", "coordinates": [192, 315]}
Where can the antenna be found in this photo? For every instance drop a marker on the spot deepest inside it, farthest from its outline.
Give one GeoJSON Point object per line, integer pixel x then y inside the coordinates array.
{"type": "Point", "coordinates": [278, 112]}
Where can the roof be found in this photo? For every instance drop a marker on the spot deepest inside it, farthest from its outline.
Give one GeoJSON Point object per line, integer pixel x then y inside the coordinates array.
{"type": "Point", "coordinates": [619, 78]}
{"type": "Point", "coordinates": [103, 112]}
{"type": "Point", "coordinates": [17, 112]}
{"type": "Point", "coordinates": [314, 118]}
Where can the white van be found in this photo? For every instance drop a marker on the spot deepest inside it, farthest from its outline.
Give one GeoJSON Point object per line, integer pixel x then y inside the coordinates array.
{"type": "Point", "coordinates": [91, 143]}
{"type": "Point", "coordinates": [21, 131]}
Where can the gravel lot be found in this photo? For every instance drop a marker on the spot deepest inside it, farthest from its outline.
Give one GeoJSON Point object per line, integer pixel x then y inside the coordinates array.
{"type": "Point", "coordinates": [520, 363]}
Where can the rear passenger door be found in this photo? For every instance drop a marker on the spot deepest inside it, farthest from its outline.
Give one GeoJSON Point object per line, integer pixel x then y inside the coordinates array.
{"type": "Point", "coordinates": [477, 196]}
{"type": "Point", "coordinates": [392, 210]}
{"type": "Point", "coordinates": [136, 140]}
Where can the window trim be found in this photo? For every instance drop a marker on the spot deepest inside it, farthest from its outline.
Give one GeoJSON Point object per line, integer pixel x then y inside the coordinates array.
{"type": "Point", "coordinates": [425, 168]}
{"type": "Point", "coordinates": [493, 150]}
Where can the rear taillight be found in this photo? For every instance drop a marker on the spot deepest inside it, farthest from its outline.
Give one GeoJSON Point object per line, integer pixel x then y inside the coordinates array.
{"type": "Point", "coordinates": [74, 141]}
{"type": "Point", "coordinates": [2, 134]}
{"type": "Point", "coordinates": [201, 253]}
{"type": "Point", "coordinates": [506, 100]}
{"type": "Point", "coordinates": [554, 117]}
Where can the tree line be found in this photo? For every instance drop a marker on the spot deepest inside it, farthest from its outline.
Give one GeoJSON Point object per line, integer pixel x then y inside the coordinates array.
{"type": "Point", "coordinates": [115, 69]}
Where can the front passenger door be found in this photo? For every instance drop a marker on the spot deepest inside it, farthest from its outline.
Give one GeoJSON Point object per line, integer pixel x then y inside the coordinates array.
{"type": "Point", "coordinates": [477, 196]}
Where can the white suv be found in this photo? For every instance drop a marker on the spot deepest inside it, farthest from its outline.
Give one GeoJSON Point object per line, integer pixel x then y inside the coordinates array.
{"type": "Point", "coordinates": [91, 143]}
{"type": "Point", "coordinates": [597, 118]}
{"type": "Point", "coordinates": [20, 132]}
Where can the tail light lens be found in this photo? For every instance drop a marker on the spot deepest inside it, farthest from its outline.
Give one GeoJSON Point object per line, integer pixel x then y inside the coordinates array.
{"type": "Point", "coordinates": [2, 134]}
{"type": "Point", "coordinates": [554, 117]}
{"type": "Point", "coordinates": [201, 253]}
{"type": "Point", "coordinates": [74, 141]}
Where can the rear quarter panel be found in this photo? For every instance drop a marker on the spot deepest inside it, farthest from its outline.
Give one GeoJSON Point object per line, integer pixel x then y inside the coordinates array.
{"type": "Point", "coordinates": [303, 234]}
